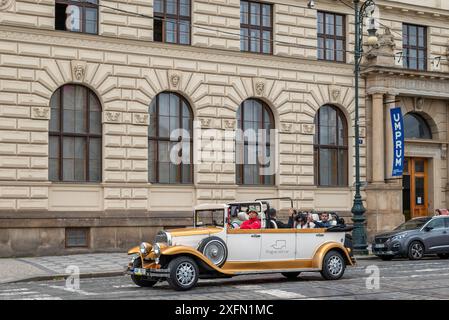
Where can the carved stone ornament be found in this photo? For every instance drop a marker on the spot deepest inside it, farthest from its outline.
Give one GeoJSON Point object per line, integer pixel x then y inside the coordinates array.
{"type": "Point", "coordinates": [419, 104]}
{"type": "Point", "coordinates": [308, 128]}
{"type": "Point", "coordinates": [205, 122]}
{"type": "Point", "coordinates": [260, 88]}
{"type": "Point", "coordinates": [174, 79]}
{"type": "Point", "coordinates": [335, 92]}
{"type": "Point", "coordinates": [5, 4]}
{"type": "Point", "coordinates": [141, 118]}
{"type": "Point", "coordinates": [287, 127]}
{"type": "Point", "coordinates": [40, 113]}
{"type": "Point", "coordinates": [112, 116]}
{"type": "Point", "coordinates": [443, 151]}
{"type": "Point", "coordinates": [228, 124]}
{"type": "Point", "coordinates": [362, 131]}
{"type": "Point", "coordinates": [78, 70]}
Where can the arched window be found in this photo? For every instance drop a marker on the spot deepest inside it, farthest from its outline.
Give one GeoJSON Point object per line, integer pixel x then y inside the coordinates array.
{"type": "Point", "coordinates": [331, 147]}
{"type": "Point", "coordinates": [416, 127]}
{"type": "Point", "coordinates": [170, 143]}
{"type": "Point", "coordinates": [254, 119]}
{"type": "Point", "coordinates": [75, 135]}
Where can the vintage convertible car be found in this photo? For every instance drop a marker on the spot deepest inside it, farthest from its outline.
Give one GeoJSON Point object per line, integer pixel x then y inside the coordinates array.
{"type": "Point", "coordinates": [213, 249]}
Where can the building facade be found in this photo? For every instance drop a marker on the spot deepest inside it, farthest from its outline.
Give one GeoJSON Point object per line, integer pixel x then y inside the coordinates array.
{"type": "Point", "coordinates": [91, 93]}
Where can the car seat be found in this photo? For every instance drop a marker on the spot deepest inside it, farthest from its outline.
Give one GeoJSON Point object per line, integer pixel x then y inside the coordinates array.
{"type": "Point", "coordinates": [243, 216]}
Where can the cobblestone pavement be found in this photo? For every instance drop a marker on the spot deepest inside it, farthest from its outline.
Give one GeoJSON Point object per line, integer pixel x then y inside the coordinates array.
{"type": "Point", "coordinates": [34, 267]}
{"type": "Point", "coordinates": [399, 279]}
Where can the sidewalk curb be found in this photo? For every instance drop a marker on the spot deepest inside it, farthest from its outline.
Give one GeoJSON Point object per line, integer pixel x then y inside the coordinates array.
{"type": "Point", "coordinates": [65, 275]}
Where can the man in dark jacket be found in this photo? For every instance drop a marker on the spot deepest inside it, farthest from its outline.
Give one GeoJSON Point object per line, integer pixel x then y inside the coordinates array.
{"type": "Point", "coordinates": [324, 222]}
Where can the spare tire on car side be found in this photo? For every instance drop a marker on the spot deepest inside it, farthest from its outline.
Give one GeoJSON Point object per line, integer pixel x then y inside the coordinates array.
{"type": "Point", "coordinates": [215, 249]}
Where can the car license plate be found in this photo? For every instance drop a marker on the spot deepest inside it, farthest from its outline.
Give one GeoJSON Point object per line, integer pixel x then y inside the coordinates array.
{"type": "Point", "coordinates": [379, 245]}
{"type": "Point", "coordinates": [139, 271]}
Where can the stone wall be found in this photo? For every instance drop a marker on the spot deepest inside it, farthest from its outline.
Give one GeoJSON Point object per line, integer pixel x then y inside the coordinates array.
{"type": "Point", "coordinates": [126, 70]}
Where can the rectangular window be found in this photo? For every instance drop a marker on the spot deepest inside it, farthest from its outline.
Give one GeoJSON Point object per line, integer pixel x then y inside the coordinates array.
{"type": "Point", "coordinates": [172, 21]}
{"type": "Point", "coordinates": [77, 16]}
{"type": "Point", "coordinates": [331, 37]}
{"type": "Point", "coordinates": [77, 237]}
{"type": "Point", "coordinates": [414, 44]}
{"type": "Point", "coordinates": [256, 27]}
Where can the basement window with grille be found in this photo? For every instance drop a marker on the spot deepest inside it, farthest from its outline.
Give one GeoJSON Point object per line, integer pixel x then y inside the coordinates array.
{"type": "Point", "coordinates": [77, 237]}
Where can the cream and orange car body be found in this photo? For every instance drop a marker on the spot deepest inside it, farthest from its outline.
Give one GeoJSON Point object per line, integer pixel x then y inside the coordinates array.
{"type": "Point", "coordinates": [248, 251]}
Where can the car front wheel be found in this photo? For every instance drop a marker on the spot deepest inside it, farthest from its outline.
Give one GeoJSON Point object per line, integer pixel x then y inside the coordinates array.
{"type": "Point", "coordinates": [184, 273]}
{"type": "Point", "coordinates": [333, 266]}
{"type": "Point", "coordinates": [139, 280]}
{"type": "Point", "coordinates": [415, 250]}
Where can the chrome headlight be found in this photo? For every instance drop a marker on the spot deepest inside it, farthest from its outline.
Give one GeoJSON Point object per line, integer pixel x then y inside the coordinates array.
{"type": "Point", "coordinates": [145, 248]}
{"type": "Point", "coordinates": [399, 237]}
{"type": "Point", "coordinates": [157, 249]}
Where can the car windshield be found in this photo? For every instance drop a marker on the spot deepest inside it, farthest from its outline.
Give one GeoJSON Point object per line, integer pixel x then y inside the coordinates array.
{"type": "Point", "coordinates": [209, 218]}
{"type": "Point", "coordinates": [413, 224]}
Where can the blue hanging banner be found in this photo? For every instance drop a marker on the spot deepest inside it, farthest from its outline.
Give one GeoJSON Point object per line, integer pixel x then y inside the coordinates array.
{"type": "Point", "coordinates": [397, 126]}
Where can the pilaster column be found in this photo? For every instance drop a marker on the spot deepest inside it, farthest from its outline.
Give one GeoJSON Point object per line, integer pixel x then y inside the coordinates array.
{"type": "Point", "coordinates": [378, 138]}
{"type": "Point", "coordinates": [389, 104]}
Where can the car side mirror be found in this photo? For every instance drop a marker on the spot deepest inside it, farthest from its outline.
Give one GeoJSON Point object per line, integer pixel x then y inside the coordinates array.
{"type": "Point", "coordinates": [427, 229]}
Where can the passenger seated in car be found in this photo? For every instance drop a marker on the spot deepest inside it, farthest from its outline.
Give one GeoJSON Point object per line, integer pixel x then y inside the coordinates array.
{"type": "Point", "coordinates": [253, 222]}
{"type": "Point", "coordinates": [273, 222]}
{"type": "Point", "coordinates": [324, 221]}
{"type": "Point", "coordinates": [235, 220]}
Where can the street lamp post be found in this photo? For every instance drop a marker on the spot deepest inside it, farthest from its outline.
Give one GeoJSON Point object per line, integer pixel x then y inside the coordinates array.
{"type": "Point", "coordinates": [358, 210]}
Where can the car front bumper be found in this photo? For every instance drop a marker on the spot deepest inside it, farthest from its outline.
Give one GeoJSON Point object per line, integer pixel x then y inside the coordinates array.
{"type": "Point", "coordinates": [387, 248]}
{"type": "Point", "coordinates": [151, 273]}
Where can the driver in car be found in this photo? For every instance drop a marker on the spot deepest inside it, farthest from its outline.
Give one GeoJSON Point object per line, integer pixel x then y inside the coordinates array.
{"type": "Point", "coordinates": [253, 222]}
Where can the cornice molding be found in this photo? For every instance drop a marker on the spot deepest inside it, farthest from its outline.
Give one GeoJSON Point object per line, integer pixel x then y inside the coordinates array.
{"type": "Point", "coordinates": [435, 13]}
{"type": "Point", "coordinates": [162, 50]}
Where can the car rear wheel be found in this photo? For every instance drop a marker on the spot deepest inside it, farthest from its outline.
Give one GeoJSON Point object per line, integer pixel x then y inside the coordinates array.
{"type": "Point", "coordinates": [291, 275]}
{"type": "Point", "coordinates": [333, 265]}
{"type": "Point", "coordinates": [415, 250]}
{"type": "Point", "coordinates": [184, 273]}
{"type": "Point", "coordinates": [443, 255]}
{"type": "Point", "coordinates": [140, 280]}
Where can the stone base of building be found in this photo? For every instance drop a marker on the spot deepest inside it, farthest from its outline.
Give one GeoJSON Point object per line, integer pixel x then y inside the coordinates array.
{"type": "Point", "coordinates": [45, 233]}
{"type": "Point", "coordinates": [384, 208]}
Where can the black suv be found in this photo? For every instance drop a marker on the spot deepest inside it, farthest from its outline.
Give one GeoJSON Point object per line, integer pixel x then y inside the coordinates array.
{"type": "Point", "coordinates": [414, 239]}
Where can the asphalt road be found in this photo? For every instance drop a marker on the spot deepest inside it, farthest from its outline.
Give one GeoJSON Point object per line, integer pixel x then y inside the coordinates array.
{"type": "Point", "coordinates": [398, 279]}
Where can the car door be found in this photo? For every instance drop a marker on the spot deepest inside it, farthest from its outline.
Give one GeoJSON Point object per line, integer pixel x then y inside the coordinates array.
{"type": "Point", "coordinates": [278, 245]}
{"type": "Point", "coordinates": [435, 239]}
{"type": "Point", "coordinates": [243, 245]}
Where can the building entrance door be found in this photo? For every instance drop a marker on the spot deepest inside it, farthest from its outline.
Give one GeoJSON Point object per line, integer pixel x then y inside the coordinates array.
{"type": "Point", "coordinates": [415, 193]}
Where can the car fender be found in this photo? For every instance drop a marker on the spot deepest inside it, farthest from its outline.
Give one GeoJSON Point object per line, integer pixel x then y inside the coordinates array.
{"type": "Point", "coordinates": [318, 257]}
{"type": "Point", "coordinates": [184, 250]}
{"type": "Point", "coordinates": [134, 250]}
{"type": "Point", "coordinates": [414, 238]}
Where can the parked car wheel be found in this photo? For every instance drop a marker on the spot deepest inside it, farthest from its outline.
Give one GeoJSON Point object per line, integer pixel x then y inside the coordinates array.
{"type": "Point", "coordinates": [415, 250]}
{"type": "Point", "coordinates": [333, 265]}
{"type": "Point", "coordinates": [443, 255]}
{"type": "Point", "coordinates": [184, 273]}
{"type": "Point", "coordinates": [139, 280]}
{"type": "Point", "coordinates": [386, 258]}
{"type": "Point", "coordinates": [215, 250]}
{"type": "Point", "coordinates": [291, 275]}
